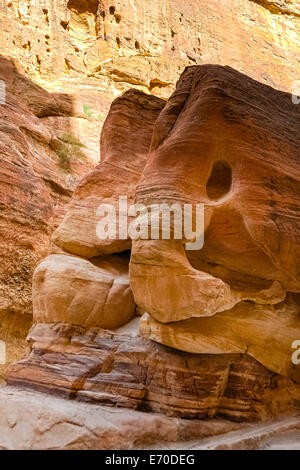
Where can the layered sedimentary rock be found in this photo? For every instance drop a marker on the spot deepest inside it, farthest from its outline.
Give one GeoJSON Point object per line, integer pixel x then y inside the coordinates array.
{"type": "Point", "coordinates": [123, 370]}
{"type": "Point", "coordinates": [97, 49]}
{"type": "Point", "coordinates": [88, 52]}
{"type": "Point", "coordinates": [33, 421]}
{"type": "Point", "coordinates": [265, 333]}
{"type": "Point", "coordinates": [125, 142]}
{"type": "Point", "coordinates": [119, 44]}
{"type": "Point", "coordinates": [38, 173]}
{"type": "Point", "coordinates": [227, 314]}
{"type": "Point", "coordinates": [66, 286]}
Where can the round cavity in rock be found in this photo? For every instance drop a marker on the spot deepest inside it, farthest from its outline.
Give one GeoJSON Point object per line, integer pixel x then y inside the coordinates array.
{"type": "Point", "coordinates": [220, 180]}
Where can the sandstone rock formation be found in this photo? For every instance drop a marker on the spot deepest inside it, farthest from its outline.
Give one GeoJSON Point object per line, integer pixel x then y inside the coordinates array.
{"type": "Point", "coordinates": [84, 293]}
{"type": "Point", "coordinates": [125, 142]}
{"type": "Point", "coordinates": [65, 285]}
{"type": "Point", "coordinates": [210, 130]}
{"type": "Point", "coordinates": [86, 53]}
{"type": "Point", "coordinates": [100, 367]}
{"type": "Point", "coordinates": [95, 50]}
{"type": "Point", "coordinates": [265, 333]}
{"type": "Point", "coordinates": [117, 44]}
{"type": "Point", "coordinates": [38, 173]}
{"type": "Point", "coordinates": [230, 310]}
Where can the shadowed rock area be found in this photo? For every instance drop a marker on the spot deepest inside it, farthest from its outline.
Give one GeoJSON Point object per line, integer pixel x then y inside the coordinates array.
{"type": "Point", "coordinates": [39, 170]}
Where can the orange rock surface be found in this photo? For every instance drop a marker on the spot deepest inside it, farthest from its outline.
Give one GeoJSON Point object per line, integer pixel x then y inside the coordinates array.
{"type": "Point", "coordinates": [38, 173]}
{"type": "Point", "coordinates": [110, 46]}
{"type": "Point", "coordinates": [231, 307]}
{"type": "Point", "coordinates": [219, 324]}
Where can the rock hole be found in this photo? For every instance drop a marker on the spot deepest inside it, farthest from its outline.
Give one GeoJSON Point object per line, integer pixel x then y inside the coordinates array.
{"type": "Point", "coordinates": [27, 46]}
{"type": "Point", "coordinates": [137, 45]}
{"type": "Point", "coordinates": [38, 63]}
{"type": "Point", "coordinates": [83, 24]}
{"type": "Point", "coordinates": [67, 66]}
{"type": "Point", "coordinates": [64, 24]}
{"type": "Point", "coordinates": [112, 10]}
{"type": "Point", "coordinates": [118, 42]}
{"type": "Point", "coordinates": [220, 180]}
{"type": "Point", "coordinates": [118, 19]}
{"type": "Point", "coordinates": [45, 11]}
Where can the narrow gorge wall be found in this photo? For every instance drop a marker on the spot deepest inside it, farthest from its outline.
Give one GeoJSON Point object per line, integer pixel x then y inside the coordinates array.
{"type": "Point", "coordinates": [109, 46]}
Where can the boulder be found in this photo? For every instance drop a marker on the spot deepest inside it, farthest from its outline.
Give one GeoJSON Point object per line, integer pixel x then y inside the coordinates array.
{"type": "Point", "coordinates": [71, 289]}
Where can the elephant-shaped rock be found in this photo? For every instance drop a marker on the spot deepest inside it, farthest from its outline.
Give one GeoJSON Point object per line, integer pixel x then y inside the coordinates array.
{"type": "Point", "coordinates": [220, 323]}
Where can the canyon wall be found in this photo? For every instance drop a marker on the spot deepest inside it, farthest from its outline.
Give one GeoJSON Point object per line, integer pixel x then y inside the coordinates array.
{"type": "Point", "coordinates": [104, 47]}
{"type": "Point", "coordinates": [39, 170]}
{"type": "Point", "coordinates": [66, 61]}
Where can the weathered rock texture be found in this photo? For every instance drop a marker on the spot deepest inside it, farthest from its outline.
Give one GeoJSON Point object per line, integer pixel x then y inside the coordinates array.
{"type": "Point", "coordinates": [64, 286]}
{"type": "Point", "coordinates": [108, 46]}
{"type": "Point", "coordinates": [97, 49]}
{"type": "Point", "coordinates": [99, 367]}
{"type": "Point", "coordinates": [125, 142]}
{"type": "Point", "coordinates": [86, 293]}
{"type": "Point", "coordinates": [265, 333]}
{"type": "Point", "coordinates": [209, 133]}
{"type": "Point", "coordinates": [230, 311]}
{"type": "Point", "coordinates": [38, 173]}
{"type": "Point", "coordinates": [33, 421]}
{"type": "Point", "coordinates": [88, 52]}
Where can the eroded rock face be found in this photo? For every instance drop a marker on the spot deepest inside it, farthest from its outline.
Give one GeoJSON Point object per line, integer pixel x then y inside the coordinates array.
{"type": "Point", "coordinates": [33, 421]}
{"type": "Point", "coordinates": [123, 370]}
{"type": "Point", "coordinates": [86, 293]}
{"type": "Point", "coordinates": [210, 132]}
{"type": "Point", "coordinates": [263, 332]}
{"type": "Point", "coordinates": [230, 310]}
{"type": "Point", "coordinates": [64, 285]}
{"type": "Point", "coordinates": [125, 142]}
{"type": "Point", "coordinates": [38, 173]}
{"type": "Point", "coordinates": [107, 47]}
